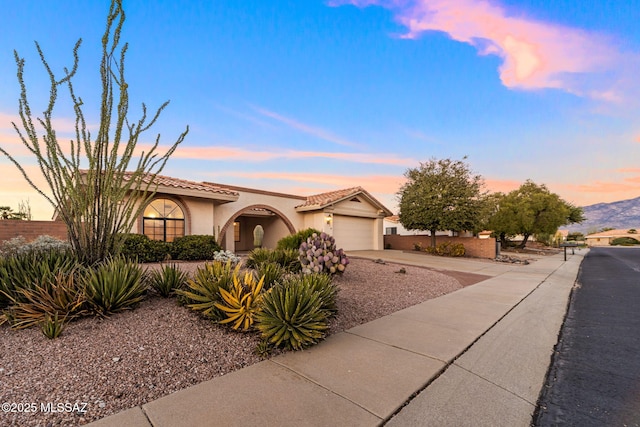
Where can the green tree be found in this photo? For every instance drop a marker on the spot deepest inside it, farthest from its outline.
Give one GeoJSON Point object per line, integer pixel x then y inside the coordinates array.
{"type": "Point", "coordinates": [532, 209]}
{"type": "Point", "coordinates": [89, 185]}
{"type": "Point", "coordinates": [7, 213]}
{"type": "Point", "coordinates": [441, 195]}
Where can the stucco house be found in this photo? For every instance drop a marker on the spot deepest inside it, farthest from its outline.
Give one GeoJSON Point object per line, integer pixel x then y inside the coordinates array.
{"type": "Point", "coordinates": [392, 226]}
{"type": "Point", "coordinates": [180, 207]}
{"type": "Point", "coordinates": [604, 238]}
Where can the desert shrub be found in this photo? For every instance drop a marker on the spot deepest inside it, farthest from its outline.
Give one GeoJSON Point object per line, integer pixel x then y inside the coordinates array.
{"type": "Point", "coordinates": [625, 241]}
{"type": "Point", "coordinates": [447, 249]}
{"type": "Point", "coordinates": [44, 243]}
{"type": "Point", "coordinates": [291, 316]}
{"type": "Point", "coordinates": [28, 270]}
{"type": "Point", "coordinates": [286, 258]}
{"type": "Point", "coordinates": [293, 241]}
{"type": "Point", "coordinates": [138, 247]}
{"type": "Point", "coordinates": [259, 256]}
{"type": "Point", "coordinates": [194, 248]}
{"type": "Point", "coordinates": [60, 294]}
{"type": "Point", "coordinates": [241, 303]}
{"type": "Point", "coordinates": [319, 255]}
{"type": "Point", "coordinates": [224, 256]}
{"type": "Point", "coordinates": [52, 326]}
{"type": "Point", "coordinates": [167, 280]}
{"type": "Point", "coordinates": [115, 284]}
{"type": "Point", "coordinates": [322, 284]}
{"type": "Point", "coordinates": [271, 273]}
{"type": "Point", "coordinates": [203, 291]}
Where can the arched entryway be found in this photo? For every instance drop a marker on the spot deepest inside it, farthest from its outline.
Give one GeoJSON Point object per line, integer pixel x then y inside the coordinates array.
{"type": "Point", "coordinates": [237, 233]}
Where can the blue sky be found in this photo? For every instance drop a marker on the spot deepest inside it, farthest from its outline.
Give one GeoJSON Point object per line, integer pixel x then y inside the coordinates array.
{"type": "Point", "coordinates": [314, 95]}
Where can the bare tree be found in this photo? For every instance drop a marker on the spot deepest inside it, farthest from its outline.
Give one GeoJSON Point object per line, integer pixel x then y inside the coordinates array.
{"type": "Point", "coordinates": [89, 184]}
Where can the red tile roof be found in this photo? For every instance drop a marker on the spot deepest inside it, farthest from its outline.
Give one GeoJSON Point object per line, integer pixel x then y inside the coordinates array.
{"type": "Point", "coordinates": [187, 185]}
{"type": "Point", "coordinates": [322, 200]}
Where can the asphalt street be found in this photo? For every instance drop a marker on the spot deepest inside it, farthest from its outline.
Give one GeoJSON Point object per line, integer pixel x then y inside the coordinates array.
{"type": "Point", "coordinates": [594, 378]}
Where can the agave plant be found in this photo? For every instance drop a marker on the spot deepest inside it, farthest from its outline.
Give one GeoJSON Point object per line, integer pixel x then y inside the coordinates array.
{"type": "Point", "coordinates": [241, 302]}
{"type": "Point", "coordinates": [167, 280]}
{"type": "Point", "coordinates": [52, 327]}
{"type": "Point", "coordinates": [271, 273]}
{"type": "Point", "coordinates": [322, 284]}
{"type": "Point", "coordinates": [62, 294]}
{"type": "Point", "coordinates": [115, 285]}
{"type": "Point", "coordinates": [203, 291]}
{"type": "Point", "coordinates": [292, 316]}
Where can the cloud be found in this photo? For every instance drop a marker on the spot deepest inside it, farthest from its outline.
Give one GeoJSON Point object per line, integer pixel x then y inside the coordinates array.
{"type": "Point", "coordinates": [248, 155]}
{"type": "Point", "coordinates": [308, 129]}
{"type": "Point", "coordinates": [535, 55]}
{"type": "Point", "coordinates": [388, 184]}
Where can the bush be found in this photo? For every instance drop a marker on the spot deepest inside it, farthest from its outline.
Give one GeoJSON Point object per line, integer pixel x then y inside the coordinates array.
{"type": "Point", "coordinates": [271, 273]}
{"type": "Point", "coordinates": [292, 316]}
{"type": "Point", "coordinates": [286, 258]}
{"type": "Point", "coordinates": [447, 249]}
{"type": "Point", "coordinates": [194, 248]}
{"type": "Point", "coordinates": [115, 285]}
{"type": "Point", "coordinates": [52, 327]}
{"type": "Point", "coordinates": [44, 243]}
{"type": "Point", "coordinates": [323, 286]}
{"type": "Point", "coordinates": [29, 270]}
{"type": "Point", "coordinates": [225, 256]}
{"type": "Point", "coordinates": [319, 255]}
{"type": "Point", "coordinates": [293, 241]}
{"type": "Point", "coordinates": [241, 303]}
{"type": "Point", "coordinates": [625, 241]}
{"type": "Point", "coordinates": [61, 294]}
{"type": "Point", "coordinates": [167, 280]}
{"type": "Point", "coordinates": [203, 291]}
{"type": "Point", "coordinates": [139, 248]}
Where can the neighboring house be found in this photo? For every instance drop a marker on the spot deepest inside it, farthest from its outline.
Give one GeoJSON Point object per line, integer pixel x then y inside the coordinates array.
{"type": "Point", "coordinates": [180, 207]}
{"type": "Point", "coordinates": [392, 226]}
{"type": "Point", "coordinates": [604, 238]}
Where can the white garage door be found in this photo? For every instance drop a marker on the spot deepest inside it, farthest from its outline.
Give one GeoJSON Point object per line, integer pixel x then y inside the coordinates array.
{"type": "Point", "coordinates": [352, 233]}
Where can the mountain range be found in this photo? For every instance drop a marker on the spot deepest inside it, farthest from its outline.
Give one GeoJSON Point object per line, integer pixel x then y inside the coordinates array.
{"type": "Point", "coordinates": [621, 214]}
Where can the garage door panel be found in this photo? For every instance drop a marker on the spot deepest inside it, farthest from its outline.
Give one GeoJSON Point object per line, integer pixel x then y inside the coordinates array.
{"type": "Point", "coordinates": [353, 233]}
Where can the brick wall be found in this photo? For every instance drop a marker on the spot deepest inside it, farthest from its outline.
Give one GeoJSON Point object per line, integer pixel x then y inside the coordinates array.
{"type": "Point", "coordinates": [32, 229]}
{"type": "Point", "coordinates": [478, 248]}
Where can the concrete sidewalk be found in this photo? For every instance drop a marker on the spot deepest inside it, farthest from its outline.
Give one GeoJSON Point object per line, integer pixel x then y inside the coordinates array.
{"type": "Point", "coordinates": [477, 356]}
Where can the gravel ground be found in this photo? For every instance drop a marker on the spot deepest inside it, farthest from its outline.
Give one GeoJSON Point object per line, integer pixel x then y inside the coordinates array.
{"type": "Point", "coordinates": [101, 366]}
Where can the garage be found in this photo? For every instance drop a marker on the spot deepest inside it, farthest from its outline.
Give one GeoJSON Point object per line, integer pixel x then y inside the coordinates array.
{"type": "Point", "coordinates": [353, 233]}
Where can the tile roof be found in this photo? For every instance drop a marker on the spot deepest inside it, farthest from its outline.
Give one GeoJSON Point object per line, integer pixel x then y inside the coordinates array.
{"type": "Point", "coordinates": [329, 197]}
{"type": "Point", "coordinates": [187, 185]}
{"type": "Point", "coordinates": [319, 201]}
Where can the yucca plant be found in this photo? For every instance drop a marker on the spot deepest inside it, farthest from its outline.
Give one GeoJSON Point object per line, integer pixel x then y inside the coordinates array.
{"type": "Point", "coordinates": [167, 280]}
{"type": "Point", "coordinates": [62, 294]}
{"type": "Point", "coordinates": [52, 327]}
{"type": "Point", "coordinates": [241, 302]}
{"type": "Point", "coordinates": [29, 269]}
{"type": "Point", "coordinates": [203, 291]}
{"type": "Point", "coordinates": [291, 316]}
{"type": "Point", "coordinates": [115, 285]}
{"type": "Point", "coordinates": [259, 256]}
{"type": "Point", "coordinates": [271, 272]}
{"type": "Point", "coordinates": [326, 289]}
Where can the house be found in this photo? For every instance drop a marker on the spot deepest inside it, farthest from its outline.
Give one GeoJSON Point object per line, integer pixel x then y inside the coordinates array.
{"type": "Point", "coordinates": [604, 238]}
{"type": "Point", "coordinates": [180, 207]}
{"type": "Point", "coordinates": [392, 226]}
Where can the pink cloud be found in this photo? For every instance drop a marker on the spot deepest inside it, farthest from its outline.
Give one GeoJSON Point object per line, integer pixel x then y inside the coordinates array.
{"type": "Point", "coordinates": [535, 54]}
{"type": "Point", "coordinates": [248, 155]}
{"type": "Point", "coordinates": [387, 184]}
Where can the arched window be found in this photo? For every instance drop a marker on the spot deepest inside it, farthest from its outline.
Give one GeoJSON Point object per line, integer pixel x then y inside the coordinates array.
{"type": "Point", "coordinates": [163, 220]}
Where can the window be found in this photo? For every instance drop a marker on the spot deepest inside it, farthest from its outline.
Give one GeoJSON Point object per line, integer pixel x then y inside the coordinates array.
{"type": "Point", "coordinates": [163, 220]}
{"type": "Point", "coordinates": [391, 230]}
